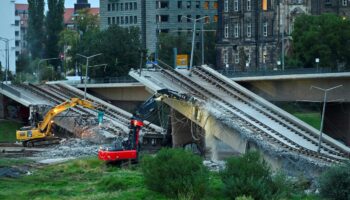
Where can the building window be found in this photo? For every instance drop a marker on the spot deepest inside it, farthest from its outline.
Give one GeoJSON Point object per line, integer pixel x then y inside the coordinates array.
{"type": "Point", "coordinates": [130, 6]}
{"type": "Point", "coordinates": [162, 4]}
{"type": "Point", "coordinates": [162, 18]}
{"type": "Point", "coordinates": [131, 19]}
{"type": "Point", "coordinates": [113, 20]}
{"type": "Point", "coordinates": [235, 5]}
{"type": "Point", "coordinates": [113, 7]}
{"type": "Point", "coordinates": [198, 16]}
{"type": "Point", "coordinates": [249, 5]}
{"type": "Point", "coordinates": [226, 31]}
{"type": "Point", "coordinates": [188, 5]}
{"type": "Point", "coordinates": [121, 7]}
{"type": "Point", "coordinates": [179, 18]}
{"type": "Point", "coordinates": [206, 5]}
{"type": "Point", "coordinates": [135, 6]}
{"type": "Point", "coordinates": [265, 29]}
{"type": "Point", "coordinates": [215, 5]}
{"type": "Point", "coordinates": [236, 30]}
{"type": "Point", "coordinates": [236, 56]}
{"type": "Point", "coordinates": [216, 18]}
{"type": "Point", "coordinates": [126, 20]}
{"type": "Point", "coordinates": [109, 7]}
{"type": "Point", "coordinates": [188, 18]}
{"type": "Point", "coordinates": [345, 2]}
{"type": "Point", "coordinates": [118, 20]}
{"type": "Point", "coordinates": [17, 23]}
{"type": "Point", "coordinates": [179, 4]}
{"type": "Point", "coordinates": [207, 19]}
{"type": "Point", "coordinates": [108, 20]}
{"type": "Point", "coordinates": [225, 56]}
{"type": "Point", "coordinates": [126, 6]}
{"type": "Point", "coordinates": [117, 6]}
{"type": "Point", "coordinates": [198, 4]}
{"type": "Point", "coordinates": [121, 20]}
{"type": "Point", "coordinates": [17, 33]}
{"type": "Point", "coordinates": [135, 19]}
{"type": "Point", "coordinates": [226, 5]}
{"type": "Point", "coordinates": [249, 30]}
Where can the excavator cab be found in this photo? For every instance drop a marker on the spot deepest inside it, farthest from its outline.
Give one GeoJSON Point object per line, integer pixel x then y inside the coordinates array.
{"type": "Point", "coordinates": [128, 150]}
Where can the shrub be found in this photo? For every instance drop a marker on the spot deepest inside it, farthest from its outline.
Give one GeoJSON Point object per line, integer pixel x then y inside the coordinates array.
{"type": "Point", "coordinates": [335, 182]}
{"type": "Point", "coordinates": [247, 175]}
{"type": "Point", "coordinates": [244, 198]}
{"type": "Point", "coordinates": [175, 173]}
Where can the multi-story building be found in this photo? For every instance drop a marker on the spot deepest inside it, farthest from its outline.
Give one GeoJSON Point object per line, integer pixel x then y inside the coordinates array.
{"type": "Point", "coordinates": [248, 34]}
{"type": "Point", "coordinates": [251, 33]}
{"type": "Point", "coordinates": [154, 16]}
{"type": "Point", "coordinates": [71, 13]}
{"type": "Point", "coordinates": [21, 28]}
{"type": "Point", "coordinates": [339, 7]}
{"type": "Point", "coordinates": [8, 24]}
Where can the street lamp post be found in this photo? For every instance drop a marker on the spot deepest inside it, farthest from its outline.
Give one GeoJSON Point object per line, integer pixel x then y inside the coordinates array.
{"type": "Point", "coordinates": [317, 60]}
{"type": "Point", "coordinates": [193, 38]}
{"type": "Point", "coordinates": [7, 59]}
{"type": "Point", "coordinates": [323, 111]}
{"type": "Point", "coordinates": [87, 66]}
{"type": "Point", "coordinates": [282, 27]}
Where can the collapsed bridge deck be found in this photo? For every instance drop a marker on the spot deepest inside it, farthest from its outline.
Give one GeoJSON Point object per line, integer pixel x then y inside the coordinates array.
{"type": "Point", "coordinates": [246, 109]}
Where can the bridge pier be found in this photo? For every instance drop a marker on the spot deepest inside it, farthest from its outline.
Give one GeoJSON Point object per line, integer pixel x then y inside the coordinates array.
{"type": "Point", "coordinates": [337, 121]}
{"type": "Point", "coordinates": [181, 129]}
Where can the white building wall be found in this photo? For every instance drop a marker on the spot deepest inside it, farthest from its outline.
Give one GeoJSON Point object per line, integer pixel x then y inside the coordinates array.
{"type": "Point", "coordinates": [7, 30]}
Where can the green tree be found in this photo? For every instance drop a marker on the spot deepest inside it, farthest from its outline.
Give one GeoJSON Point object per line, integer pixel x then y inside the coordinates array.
{"type": "Point", "coordinates": [167, 42]}
{"type": "Point", "coordinates": [86, 22]}
{"type": "Point", "coordinates": [120, 48]}
{"type": "Point", "coordinates": [54, 26]}
{"type": "Point", "coordinates": [326, 37]}
{"type": "Point", "coordinates": [36, 27]}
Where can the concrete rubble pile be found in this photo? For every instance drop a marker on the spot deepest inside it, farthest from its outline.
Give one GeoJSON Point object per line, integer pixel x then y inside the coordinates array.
{"type": "Point", "coordinates": [72, 147]}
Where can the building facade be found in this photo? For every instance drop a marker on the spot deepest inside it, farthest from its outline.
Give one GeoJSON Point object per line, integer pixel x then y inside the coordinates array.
{"type": "Point", "coordinates": [248, 34]}
{"type": "Point", "coordinates": [8, 24]}
{"type": "Point", "coordinates": [339, 7]}
{"type": "Point", "coordinates": [155, 16]}
{"type": "Point", "coordinates": [251, 33]}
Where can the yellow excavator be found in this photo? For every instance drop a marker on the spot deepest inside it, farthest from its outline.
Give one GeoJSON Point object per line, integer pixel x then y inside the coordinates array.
{"type": "Point", "coordinates": [41, 134]}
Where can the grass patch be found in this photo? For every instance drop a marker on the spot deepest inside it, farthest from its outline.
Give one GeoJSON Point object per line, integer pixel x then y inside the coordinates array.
{"type": "Point", "coordinates": [8, 130]}
{"type": "Point", "coordinates": [79, 179]}
{"type": "Point", "coordinates": [5, 162]}
{"type": "Point", "coordinates": [91, 179]}
{"type": "Point", "coordinates": [313, 119]}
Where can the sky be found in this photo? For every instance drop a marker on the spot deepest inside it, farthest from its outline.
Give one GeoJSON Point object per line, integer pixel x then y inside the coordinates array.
{"type": "Point", "coordinates": [69, 3]}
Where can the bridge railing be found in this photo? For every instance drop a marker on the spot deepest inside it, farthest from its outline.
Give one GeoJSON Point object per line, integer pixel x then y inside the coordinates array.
{"type": "Point", "coordinates": [290, 71]}
{"type": "Point", "coordinates": [122, 79]}
{"type": "Point", "coordinates": [10, 89]}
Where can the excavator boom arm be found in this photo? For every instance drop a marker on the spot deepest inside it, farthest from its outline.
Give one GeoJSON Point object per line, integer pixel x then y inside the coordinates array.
{"type": "Point", "coordinates": [45, 124]}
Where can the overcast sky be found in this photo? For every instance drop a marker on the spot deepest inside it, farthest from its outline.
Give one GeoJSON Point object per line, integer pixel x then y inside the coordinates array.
{"type": "Point", "coordinates": [68, 3]}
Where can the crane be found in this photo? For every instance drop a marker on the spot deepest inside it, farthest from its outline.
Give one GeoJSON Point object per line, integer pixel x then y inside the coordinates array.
{"type": "Point", "coordinates": [41, 133]}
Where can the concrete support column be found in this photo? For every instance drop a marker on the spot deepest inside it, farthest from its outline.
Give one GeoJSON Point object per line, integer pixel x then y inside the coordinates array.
{"type": "Point", "coordinates": [337, 121]}
{"type": "Point", "coordinates": [2, 107]}
{"type": "Point", "coordinates": [181, 129]}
